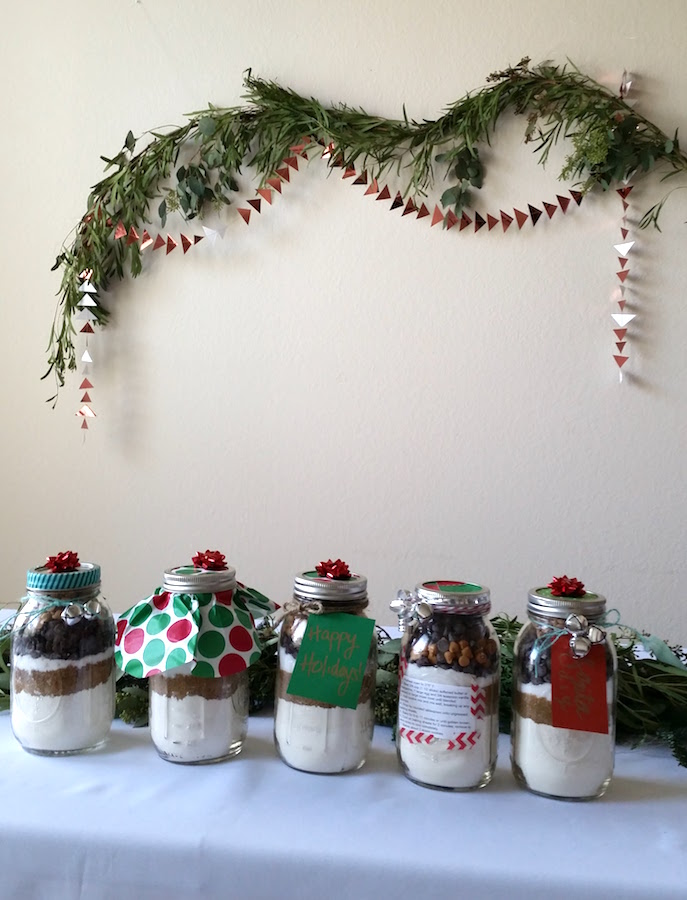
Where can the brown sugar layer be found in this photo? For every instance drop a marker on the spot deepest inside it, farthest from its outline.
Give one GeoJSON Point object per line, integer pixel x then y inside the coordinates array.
{"type": "Point", "coordinates": [530, 707]}
{"type": "Point", "coordinates": [180, 686]}
{"type": "Point", "coordinates": [65, 680]}
{"type": "Point", "coordinates": [283, 679]}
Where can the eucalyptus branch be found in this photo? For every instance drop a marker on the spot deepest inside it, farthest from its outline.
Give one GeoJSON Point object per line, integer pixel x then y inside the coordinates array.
{"type": "Point", "coordinates": [193, 166]}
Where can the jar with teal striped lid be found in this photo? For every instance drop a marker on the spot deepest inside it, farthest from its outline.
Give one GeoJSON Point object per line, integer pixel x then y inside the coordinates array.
{"type": "Point", "coordinates": [62, 660]}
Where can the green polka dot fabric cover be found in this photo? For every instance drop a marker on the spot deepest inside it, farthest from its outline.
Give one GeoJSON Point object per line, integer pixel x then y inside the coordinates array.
{"type": "Point", "coordinates": [214, 629]}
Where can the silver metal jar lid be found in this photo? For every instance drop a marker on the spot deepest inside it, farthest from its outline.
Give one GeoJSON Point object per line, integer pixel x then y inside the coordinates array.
{"type": "Point", "coordinates": [189, 580]}
{"type": "Point", "coordinates": [311, 586]}
{"type": "Point", "coordinates": [541, 602]}
{"type": "Point", "coordinates": [454, 596]}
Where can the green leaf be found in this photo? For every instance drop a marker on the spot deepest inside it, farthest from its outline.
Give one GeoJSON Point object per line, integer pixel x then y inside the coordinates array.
{"type": "Point", "coordinates": [162, 213]}
{"type": "Point", "coordinates": [661, 651]}
{"type": "Point", "coordinates": [450, 197]}
{"type": "Point", "coordinates": [207, 126]}
{"type": "Point", "coordinates": [130, 141]}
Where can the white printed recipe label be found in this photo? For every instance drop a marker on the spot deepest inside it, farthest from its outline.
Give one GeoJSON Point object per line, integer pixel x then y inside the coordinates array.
{"type": "Point", "coordinates": [440, 710]}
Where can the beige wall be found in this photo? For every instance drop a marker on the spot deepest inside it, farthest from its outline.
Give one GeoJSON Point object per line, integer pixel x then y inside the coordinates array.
{"type": "Point", "coordinates": [336, 380]}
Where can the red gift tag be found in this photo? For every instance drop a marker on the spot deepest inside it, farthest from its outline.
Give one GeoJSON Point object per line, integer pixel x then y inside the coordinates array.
{"type": "Point", "coordinates": [578, 689]}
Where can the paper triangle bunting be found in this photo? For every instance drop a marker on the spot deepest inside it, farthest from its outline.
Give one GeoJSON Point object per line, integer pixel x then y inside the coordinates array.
{"type": "Point", "coordinates": [266, 194]}
{"type": "Point", "coordinates": [185, 243]}
{"type": "Point", "coordinates": [623, 261]}
{"type": "Point", "coordinates": [87, 329]}
{"type": "Point", "coordinates": [550, 208]}
{"type": "Point", "coordinates": [521, 217]}
{"type": "Point", "coordinates": [491, 221]}
{"type": "Point", "coordinates": [623, 249]}
{"type": "Point", "coordinates": [384, 194]}
{"type": "Point", "coordinates": [349, 172]}
{"type": "Point", "coordinates": [86, 356]}
{"type": "Point", "coordinates": [465, 220]}
{"type": "Point", "coordinates": [120, 230]}
{"type": "Point", "coordinates": [437, 217]}
{"type": "Point", "coordinates": [563, 202]}
{"type": "Point", "coordinates": [86, 300]}
{"type": "Point", "coordinates": [86, 411]}
{"type": "Point", "coordinates": [255, 203]}
{"type": "Point", "coordinates": [410, 207]}
{"type": "Point", "coordinates": [373, 188]}
{"type": "Point", "coordinates": [624, 191]}
{"type": "Point", "coordinates": [275, 184]}
{"type": "Point", "coordinates": [245, 214]}
{"type": "Point", "coordinates": [506, 220]}
{"type": "Point", "coordinates": [159, 242]}
{"type": "Point", "coordinates": [620, 345]}
{"type": "Point", "coordinates": [146, 240]}
{"type": "Point", "coordinates": [535, 213]}
{"type": "Point", "coordinates": [620, 333]}
{"type": "Point", "coordinates": [451, 219]}
{"type": "Point", "coordinates": [197, 238]}
{"type": "Point", "coordinates": [577, 196]}
{"type": "Point", "coordinates": [622, 319]}
{"type": "Point", "coordinates": [84, 424]}
{"type": "Point", "coordinates": [86, 398]}
{"type": "Point", "coordinates": [624, 232]}
{"type": "Point", "coordinates": [292, 162]}
{"type": "Point", "coordinates": [85, 385]}
{"type": "Point", "coordinates": [398, 201]}
{"type": "Point", "coordinates": [284, 173]}
{"type": "Point", "coordinates": [422, 212]}
{"type": "Point", "coordinates": [87, 288]}
{"type": "Point", "coordinates": [621, 305]}
{"type": "Point", "coordinates": [621, 360]}
{"type": "Point", "coordinates": [171, 244]}
{"type": "Point", "coordinates": [622, 275]}
{"type": "Point", "coordinates": [132, 236]}
{"type": "Point", "coordinates": [361, 179]}
{"type": "Point", "coordinates": [479, 222]}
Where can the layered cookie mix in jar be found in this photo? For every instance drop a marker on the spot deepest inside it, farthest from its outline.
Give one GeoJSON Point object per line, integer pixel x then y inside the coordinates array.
{"type": "Point", "coordinates": [449, 686]}
{"type": "Point", "coordinates": [195, 638]}
{"type": "Point", "coordinates": [324, 714]}
{"type": "Point", "coordinates": [62, 660]}
{"type": "Point", "coordinates": [564, 680]}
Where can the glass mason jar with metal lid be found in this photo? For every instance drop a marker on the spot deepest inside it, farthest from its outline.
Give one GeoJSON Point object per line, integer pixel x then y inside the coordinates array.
{"type": "Point", "coordinates": [193, 718]}
{"type": "Point", "coordinates": [564, 693]}
{"type": "Point", "coordinates": [311, 735]}
{"type": "Point", "coordinates": [62, 661]}
{"type": "Point", "coordinates": [449, 676]}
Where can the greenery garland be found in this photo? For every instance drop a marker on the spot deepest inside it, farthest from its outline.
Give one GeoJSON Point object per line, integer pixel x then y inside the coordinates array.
{"type": "Point", "coordinates": [196, 165]}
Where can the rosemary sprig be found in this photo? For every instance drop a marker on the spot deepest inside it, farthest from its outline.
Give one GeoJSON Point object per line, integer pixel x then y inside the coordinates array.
{"type": "Point", "coordinates": [195, 165]}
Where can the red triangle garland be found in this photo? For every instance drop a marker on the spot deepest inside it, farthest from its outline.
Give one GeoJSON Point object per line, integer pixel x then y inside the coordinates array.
{"type": "Point", "coordinates": [506, 220]}
{"type": "Point", "coordinates": [245, 214]}
{"type": "Point", "coordinates": [422, 212]}
{"type": "Point", "coordinates": [563, 202]}
{"type": "Point", "coordinates": [465, 220]}
{"type": "Point", "coordinates": [437, 217]}
{"type": "Point", "coordinates": [550, 208]}
{"type": "Point", "coordinates": [535, 213]}
{"type": "Point", "coordinates": [410, 207]}
{"type": "Point", "coordinates": [491, 221]}
{"type": "Point", "coordinates": [577, 196]}
{"type": "Point", "coordinates": [385, 193]}
{"type": "Point", "coordinates": [451, 219]}
{"type": "Point", "coordinates": [159, 242]}
{"type": "Point", "coordinates": [361, 179]}
{"type": "Point", "coordinates": [255, 203]}
{"type": "Point", "coordinates": [521, 217]}
{"type": "Point", "coordinates": [266, 194]}
{"type": "Point", "coordinates": [479, 222]}
{"type": "Point", "coordinates": [398, 201]}
{"type": "Point", "coordinates": [620, 360]}
{"type": "Point", "coordinates": [373, 188]}
{"type": "Point", "coordinates": [185, 243]}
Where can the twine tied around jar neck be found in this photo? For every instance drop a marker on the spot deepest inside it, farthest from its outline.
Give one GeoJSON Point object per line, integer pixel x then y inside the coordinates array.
{"type": "Point", "coordinates": [583, 636]}
{"type": "Point", "coordinates": [72, 611]}
{"type": "Point", "coordinates": [294, 607]}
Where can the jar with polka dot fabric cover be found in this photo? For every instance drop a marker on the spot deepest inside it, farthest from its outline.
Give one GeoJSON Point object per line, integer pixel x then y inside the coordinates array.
{"type": "Point", "coordinates": [194, 638]}
{"type": "Point", "coordinates": [62, 660]}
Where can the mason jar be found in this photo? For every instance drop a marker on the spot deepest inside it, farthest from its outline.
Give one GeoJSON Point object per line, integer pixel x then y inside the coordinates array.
{"type": "Point", "coordinates": [62, 663]}
{"type": "Point", "coordinates": [564, 693]}
{"type": "Point", "coordinates": [448, 705]}
{"type": "Point", "coordinates": [311, 735]}
{"type": "Point", "coordinates": [196, 719]}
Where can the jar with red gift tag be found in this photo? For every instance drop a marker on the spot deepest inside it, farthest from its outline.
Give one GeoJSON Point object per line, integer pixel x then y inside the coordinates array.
{"type": "Point", "coordinates": [564, 694]}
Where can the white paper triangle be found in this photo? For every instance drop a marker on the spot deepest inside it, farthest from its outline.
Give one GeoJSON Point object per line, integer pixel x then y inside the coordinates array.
{"type": "Point", "coordinates": [622, 319]}
{"type": "Point", "coordinates": [210, 234]}
{"type": "Point", "coordinates": [86, 356]}
{"type": "Point", "coordinates": [87, 301]}
{"type": "Point", "coordinates": [624, 249]}
{"type": "Point", "coordinates": [86, 370]}
{"type": "Point", "coordinates": [87, 288]}
{"type": "Point", "coordinates": [85, 314]}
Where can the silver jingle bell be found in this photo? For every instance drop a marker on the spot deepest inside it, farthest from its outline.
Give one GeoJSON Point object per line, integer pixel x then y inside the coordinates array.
{"type": "Point", "coordinates": [72, 614]}
{"type": "Point", "coordinates": [596, 635]}
{"type": "Point", "coordinates": [576, 623]}
{"type": "Point", "coordinates": [403, 606]}
{"type": "Point", "coordinates": [580, 646]}
{"type": "Point", "coordinates": [91, 609]}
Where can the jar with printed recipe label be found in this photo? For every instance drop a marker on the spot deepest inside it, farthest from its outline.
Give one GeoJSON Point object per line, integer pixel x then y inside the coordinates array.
{"type": "Point", "coordinates": [449, 685]}
{"type": "Point", "coordinates": [311, 734]}
{"type": "Point", "coordinates": [564, 692]}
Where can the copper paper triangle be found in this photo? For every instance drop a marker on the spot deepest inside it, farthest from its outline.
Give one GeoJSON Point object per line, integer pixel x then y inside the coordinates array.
{"type": "Point", "coordinates": [550, 208]}
{"type": "Point", "coordinates": [292, 161]}
{"type": "Point", "coordinates": [384, 194]}
{"type": "Point", "coordinates": [197, 238]}
{"type": "Point", "coordinates": [361, 179]}
{"type": "Point", "coordinates": [275, 183]}
{"type": "Point", "coordinates": [625, 204]}
{"type": "Point", "coordinates": [563, 202]}
{"type": "Point", "coordinates": [284, 173]}
{"type": "Point", "coordinates": [84, 424]}
{"type": "Point", "coordinates": [159, 242]}
{"type": "Point", "coordinates": [171, 243]}
{"type": "Point", "coordinates": [465, 220]}
{"type": "Point", "coordinates": [621, 304]}
{"type": "Point", "coordinates": [623, 275]}
{"type": "Point", "coordinates": [349, 172]}
{"type": "Point", "coordinates": [85, 385]}
{"type": "Point", "coordinates": [437, 217]}
{"type": "Point", "coordinates": [255, 203]}
{"type": "Point", "coordinates": [87, 329]}
{"type": "Point", "coordinates": [185, 243]}
{"type": "Point", "coordinates": [624, 232]}
{"type": "Point", "coordinates": [625, 191]}
{"type": "Point", "coordinates": [479, 222]}
{"type": "Point", "coordinates": [620, 345]}
{"type": "Point", "coordinates": [506, 220]}
{"type": "Point", "coordinates": [120, 230]}
{"type": "Point", "coordinates": [373, 188]}
{"type": "Point", "coordinates": [86, 398]}
{"type": "Point", "coordinates": [245, 214]}
{"type": "Point", "coordinates": [451, 219]}
{"type": "Point", "coordinates": [623, 261]}
{"type": "Point", "coordinates": [146, 240]}
{"type": "Point", "coordinates": [621, 360]}
{"type": "Point", "coordinates": [328, 150]}
{"type": "Point", "coordinates": [266, 194]}
{"type": "Point", "coordinates": [410, 207]}
{"type": "Point", "coordinates": [577, 196]}
{"type": "Point", "coordinates": [534, 213]}
{"type": "Point", "coordinates": [132, 236]}
{"type": "Point", "coordinates": [521, 217]}
{"type": "Point", "coordinates": [491, 221]}
{"type": "Point", "coordinates": [398, 201]}
{"type": "Point", "coordinates": [620, 333]}
{"type": "Point", "coordinates": [422, 212]}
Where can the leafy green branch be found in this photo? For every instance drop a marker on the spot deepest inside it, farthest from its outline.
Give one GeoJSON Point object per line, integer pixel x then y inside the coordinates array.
{"type": "Point", "coordinates": [195, 166]}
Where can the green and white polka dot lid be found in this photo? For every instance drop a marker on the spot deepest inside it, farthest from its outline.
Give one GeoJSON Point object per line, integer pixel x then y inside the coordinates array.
{"type": "Point", "coordinates": [197, 615]}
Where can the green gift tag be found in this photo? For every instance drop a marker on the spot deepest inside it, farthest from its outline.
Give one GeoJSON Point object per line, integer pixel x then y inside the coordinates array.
{"type": "Point", "coordinates": [332, 658]}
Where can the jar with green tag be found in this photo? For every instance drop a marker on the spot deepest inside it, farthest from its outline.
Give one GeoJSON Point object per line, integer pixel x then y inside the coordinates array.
{"type": "Point", "coordinates": [564, 694]}
{"type": "Point", "coordinates": [62, 660]}
{"type": "Point", "coordinates": [313, 732]}
{"type": "Point", "coordinates": [449, 685]}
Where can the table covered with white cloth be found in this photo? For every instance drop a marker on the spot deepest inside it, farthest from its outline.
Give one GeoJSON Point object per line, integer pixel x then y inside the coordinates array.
{"type": "Point", "coordinates": [121, 823]}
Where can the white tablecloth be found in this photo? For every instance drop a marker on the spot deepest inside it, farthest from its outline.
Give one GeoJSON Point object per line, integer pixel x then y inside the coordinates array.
{"type": "Point", "coordinates": [122, 823]}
